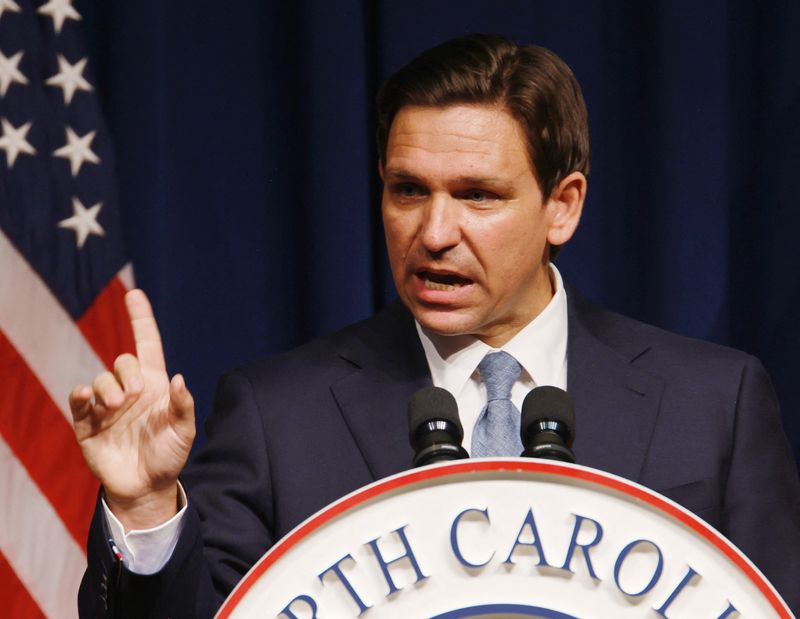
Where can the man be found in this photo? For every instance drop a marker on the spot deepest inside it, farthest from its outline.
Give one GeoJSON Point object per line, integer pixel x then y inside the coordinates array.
{"type": "Point", "coordinates": [484, 154]}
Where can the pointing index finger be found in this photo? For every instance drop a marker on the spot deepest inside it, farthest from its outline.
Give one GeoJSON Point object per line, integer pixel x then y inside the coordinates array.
{"type": "Point", "coordinates": [145, 331]}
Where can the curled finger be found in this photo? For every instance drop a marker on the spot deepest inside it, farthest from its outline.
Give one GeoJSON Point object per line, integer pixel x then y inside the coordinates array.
{"type": "Point", "coordinates": [80, 402]}
{"type": "Point", "coordinates": [129, 374]}
{"type": "Point", "coordinates": [107, 391]}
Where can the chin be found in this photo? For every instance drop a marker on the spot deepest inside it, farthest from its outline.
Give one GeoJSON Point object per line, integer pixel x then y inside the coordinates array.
{"type": "Point", "coordinates": [443, 322]}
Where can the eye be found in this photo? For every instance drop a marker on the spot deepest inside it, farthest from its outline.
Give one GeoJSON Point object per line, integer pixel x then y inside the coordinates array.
{"type": "Point", "coordinates": [407, 190]}
{"type": "Point", "coordinates": [478, 196]}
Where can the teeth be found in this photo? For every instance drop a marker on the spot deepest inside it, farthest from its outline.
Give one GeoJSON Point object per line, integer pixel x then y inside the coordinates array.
{"type": "Point", "coordinates": [437, 286]}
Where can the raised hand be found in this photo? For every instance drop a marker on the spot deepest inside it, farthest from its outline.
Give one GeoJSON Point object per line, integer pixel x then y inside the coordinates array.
{"type": "Point", "coordinates": [136, 427]}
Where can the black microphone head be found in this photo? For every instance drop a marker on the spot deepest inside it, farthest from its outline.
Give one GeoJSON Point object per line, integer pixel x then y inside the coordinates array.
{"type": "Point", "coordinates": [434, 428]}
{"type": "Point", "coordinates": [548, 406]}
{"type": "Point", "coordinates": [431, 404]}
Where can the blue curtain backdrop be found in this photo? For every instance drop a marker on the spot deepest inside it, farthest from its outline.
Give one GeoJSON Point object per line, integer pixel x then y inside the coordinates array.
{"type": "Point", "coordinates": [247, 172]}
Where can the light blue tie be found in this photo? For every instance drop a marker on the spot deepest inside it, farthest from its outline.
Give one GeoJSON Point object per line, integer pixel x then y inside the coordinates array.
{"type": "Point", "coordinates": [496, 432]}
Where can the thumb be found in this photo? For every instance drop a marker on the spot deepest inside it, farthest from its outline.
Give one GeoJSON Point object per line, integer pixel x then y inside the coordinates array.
{"type": "Point", "coordinates": [181, 402]}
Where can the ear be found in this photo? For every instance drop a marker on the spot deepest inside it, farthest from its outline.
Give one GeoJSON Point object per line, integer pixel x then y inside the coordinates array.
{"type": "Point", "coordinates": [565, 207]}
{"type": "Point", "coordinates": [380, 169]}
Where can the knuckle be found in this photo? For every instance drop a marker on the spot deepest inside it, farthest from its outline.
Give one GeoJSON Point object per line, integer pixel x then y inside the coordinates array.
{"type": "Point", "coordinates": [133, 389]}
{"type": "Point", "coordinates": [107, 389]}
{"type": "Point", "coordinates": [125, 360]}
{"type": "Point", "coordinates": [102, 380]}
{"type": "Point", "coordinates": [128, 373]}
{"type": "Point", "coordinates": [74, 396]}
{"type": "Point", "coordinates": [131, 396]}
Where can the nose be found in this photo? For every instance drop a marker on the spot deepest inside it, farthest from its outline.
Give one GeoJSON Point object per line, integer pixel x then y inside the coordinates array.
{"type": "Point", "coordinates": [441, 229]}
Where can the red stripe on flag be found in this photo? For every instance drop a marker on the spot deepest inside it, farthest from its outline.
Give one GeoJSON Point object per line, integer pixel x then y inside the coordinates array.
{"type": "Point", "coordinates": [106, 325]}
{"type": "Point", "coordinates": [17, 602]}
{"type": "Point", "coordinates": [40, 437]}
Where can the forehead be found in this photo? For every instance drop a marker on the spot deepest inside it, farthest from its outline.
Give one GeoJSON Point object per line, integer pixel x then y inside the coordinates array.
{"type": "Point", "coordinates": [471, 138]}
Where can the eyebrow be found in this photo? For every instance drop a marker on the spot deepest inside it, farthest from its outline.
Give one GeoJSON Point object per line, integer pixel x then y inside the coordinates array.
{"type": "Point", "coordinates": [402, 174]}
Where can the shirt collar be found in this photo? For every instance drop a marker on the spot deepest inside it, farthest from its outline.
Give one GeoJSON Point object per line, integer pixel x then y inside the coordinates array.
{"type": "Point", "coordinates": [540, 347]}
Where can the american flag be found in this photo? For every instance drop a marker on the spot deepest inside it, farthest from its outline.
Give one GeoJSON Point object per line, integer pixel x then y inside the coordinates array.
{"type": "Point", "coordinates": [62, 278]}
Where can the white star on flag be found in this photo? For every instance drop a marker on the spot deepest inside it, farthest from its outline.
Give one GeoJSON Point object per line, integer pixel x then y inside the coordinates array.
{"type": "Point", "coordinates": [59, 10]}
{"type": "Point", "coordinates": [14, 141]}
{"type": "Point", "coordinates": [70, 78]}
{"type": "Point", "coordinates": [77, 150]}
{"type": "Point", "coordinates": [9, 71]}
{"type": "Point", "coordinates": [8, 5]}
{"type": "Point", "coordinates": [83, 222]}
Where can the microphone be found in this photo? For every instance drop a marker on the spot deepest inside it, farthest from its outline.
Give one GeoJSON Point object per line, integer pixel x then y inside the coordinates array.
{"type": "Point", "coordinates": [546, 427]}
{"type": "Point", "coordinates": [435, 430]}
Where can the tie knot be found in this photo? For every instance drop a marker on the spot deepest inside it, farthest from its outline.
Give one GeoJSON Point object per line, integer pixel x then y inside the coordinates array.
{"type": "Point", "coordinates": [499, 371]}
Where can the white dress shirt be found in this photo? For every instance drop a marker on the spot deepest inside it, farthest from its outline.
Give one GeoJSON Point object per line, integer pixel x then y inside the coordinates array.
{"type": "Point", "coordinates": [540, 348]}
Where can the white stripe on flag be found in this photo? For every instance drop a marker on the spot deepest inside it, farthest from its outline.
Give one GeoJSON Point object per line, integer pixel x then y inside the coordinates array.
{"type": "Point", "coordinates": [34, 540]}
{"type": "Point", "coordinates": [42, 331]}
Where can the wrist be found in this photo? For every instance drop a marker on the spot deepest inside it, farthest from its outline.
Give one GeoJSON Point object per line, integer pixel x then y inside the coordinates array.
{"type": "Point", "coordinates": [148, 511]}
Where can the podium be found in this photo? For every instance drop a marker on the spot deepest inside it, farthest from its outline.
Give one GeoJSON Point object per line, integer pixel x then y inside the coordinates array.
{"type": "Point", "coordinates": [507, 538]}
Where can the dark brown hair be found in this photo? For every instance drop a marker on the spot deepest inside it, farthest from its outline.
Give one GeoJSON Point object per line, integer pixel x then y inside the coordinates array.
{"type": "Point", "coordinates": [533, 84]}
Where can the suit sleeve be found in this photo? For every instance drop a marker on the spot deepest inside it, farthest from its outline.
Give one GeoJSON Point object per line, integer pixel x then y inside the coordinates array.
{"type": "Point", "coordinates": [762, 493]}
{"type": "Point", "coordinates": [228, 524]}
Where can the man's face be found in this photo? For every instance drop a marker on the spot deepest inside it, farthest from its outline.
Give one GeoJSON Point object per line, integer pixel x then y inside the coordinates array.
{"type": "Point", "coordinates": [466, 228]}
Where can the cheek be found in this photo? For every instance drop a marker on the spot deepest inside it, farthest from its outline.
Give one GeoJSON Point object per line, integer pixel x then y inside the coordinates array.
{"type": "Point", "coordinates": [509, 235]}
{"type": "Point", "coordinates": [397, 240]}
{"type": "Point", "coordinates": [509, 250]}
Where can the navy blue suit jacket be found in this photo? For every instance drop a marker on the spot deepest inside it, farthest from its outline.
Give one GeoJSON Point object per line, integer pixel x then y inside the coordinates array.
{"type": "Point", "coordinates": [695, 421]}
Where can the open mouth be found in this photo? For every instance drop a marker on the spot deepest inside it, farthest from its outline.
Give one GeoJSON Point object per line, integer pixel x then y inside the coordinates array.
{"type": "Point", "coordinates": [442, 281]}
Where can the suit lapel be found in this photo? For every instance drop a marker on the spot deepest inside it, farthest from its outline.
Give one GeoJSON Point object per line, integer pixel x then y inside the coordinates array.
{"type": "Point", "coordinates": [616, 403]}
{"type": "Point", "coordinates": [389, 366]}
